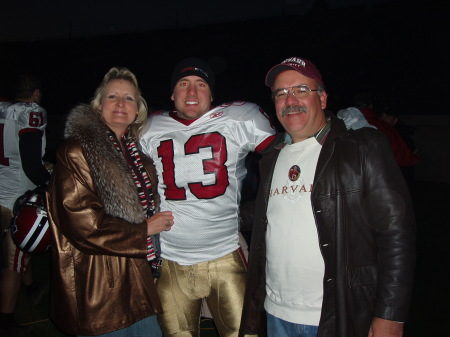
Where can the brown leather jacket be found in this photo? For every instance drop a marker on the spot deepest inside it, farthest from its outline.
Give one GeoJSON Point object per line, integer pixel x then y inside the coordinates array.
{"type": "Point", "coordinates": [101, 281]}
{"type": "Point", "coordinates": [366, 235]}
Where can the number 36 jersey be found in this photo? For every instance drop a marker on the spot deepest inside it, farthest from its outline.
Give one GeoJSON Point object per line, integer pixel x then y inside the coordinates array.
{"type": "Point", "coordinates": [16, 119]}
{"type": "Point", "coordinates": [200, 166]}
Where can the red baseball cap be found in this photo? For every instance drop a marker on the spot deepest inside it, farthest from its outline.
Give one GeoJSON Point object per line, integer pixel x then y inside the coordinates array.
{"type": "Point", "coordinates": [302, 65]}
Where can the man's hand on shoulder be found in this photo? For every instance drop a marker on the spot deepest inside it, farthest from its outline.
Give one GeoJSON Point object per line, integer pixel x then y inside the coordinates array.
{"type": "Point", "coordinates": [384, 328]}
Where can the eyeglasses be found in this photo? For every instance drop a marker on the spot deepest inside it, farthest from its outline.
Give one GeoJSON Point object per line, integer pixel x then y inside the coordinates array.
{"type": "Point", "coordinates": [298, 91]}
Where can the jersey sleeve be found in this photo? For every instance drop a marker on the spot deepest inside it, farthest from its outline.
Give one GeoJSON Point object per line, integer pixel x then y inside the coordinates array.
{"type": "Point", "coordinates": [31, 118]}
{"type": "Point", "coordinates": [144, 141]}
{"type": "Point", "coordinates": [260, 129]}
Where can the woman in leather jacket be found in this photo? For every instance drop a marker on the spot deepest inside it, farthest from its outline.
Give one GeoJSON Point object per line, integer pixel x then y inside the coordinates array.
{"type": "Point", "coordinates": [103, 210]}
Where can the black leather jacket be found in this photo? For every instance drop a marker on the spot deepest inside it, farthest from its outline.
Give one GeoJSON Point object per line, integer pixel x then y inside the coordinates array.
{"type": "Point", "coordinates": [366, 234]}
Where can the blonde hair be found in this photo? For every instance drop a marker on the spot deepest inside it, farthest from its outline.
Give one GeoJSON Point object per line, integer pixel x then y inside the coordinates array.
{"type": "Point", "coordinates": [118, 73]}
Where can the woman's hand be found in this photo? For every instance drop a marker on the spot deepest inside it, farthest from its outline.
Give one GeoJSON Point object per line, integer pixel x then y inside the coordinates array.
{"type": "Point", "coordinates": [158, 222]}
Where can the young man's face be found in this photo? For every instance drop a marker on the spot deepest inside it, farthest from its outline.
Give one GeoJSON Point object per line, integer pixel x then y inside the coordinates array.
{"type": "Point", "coordinates": [192, 97]}
{"type": "Point", "coordinates": [301, 117]}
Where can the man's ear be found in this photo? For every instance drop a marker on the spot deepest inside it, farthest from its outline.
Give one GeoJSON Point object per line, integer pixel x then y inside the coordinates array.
{"type": "Point", "coordinates": [36, 96]}
{"type": "Point", "coordinates": [323, 99]}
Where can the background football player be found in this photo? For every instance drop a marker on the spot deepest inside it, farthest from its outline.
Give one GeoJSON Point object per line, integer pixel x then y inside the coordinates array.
{"type": "Point", "coordinates": [22, 145]}
{"type": "Point", "coordinates": [199, 153]}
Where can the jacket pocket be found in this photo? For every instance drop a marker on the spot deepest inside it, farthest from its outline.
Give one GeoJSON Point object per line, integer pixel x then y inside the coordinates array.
{"type": "Point", "coordinates": [361, 297]}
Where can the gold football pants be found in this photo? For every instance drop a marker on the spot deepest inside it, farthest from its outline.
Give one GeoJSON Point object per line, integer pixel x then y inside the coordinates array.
{"type": "Point", "coordinates": [181, 290]}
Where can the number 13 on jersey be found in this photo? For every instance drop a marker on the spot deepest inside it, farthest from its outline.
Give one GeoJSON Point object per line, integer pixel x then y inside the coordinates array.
{"type": "Point", "coordinates": [213, 166]}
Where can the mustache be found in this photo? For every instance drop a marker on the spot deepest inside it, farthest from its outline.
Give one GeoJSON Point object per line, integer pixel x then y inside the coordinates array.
{"type": "Point", "coordinates": [293, 108]}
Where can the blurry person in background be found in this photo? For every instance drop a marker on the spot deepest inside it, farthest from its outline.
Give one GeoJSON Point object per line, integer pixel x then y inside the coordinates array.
{"type": "Point", "coordinates": [22, 146]}
{"type": "Point", "coordinates": [405, 156]}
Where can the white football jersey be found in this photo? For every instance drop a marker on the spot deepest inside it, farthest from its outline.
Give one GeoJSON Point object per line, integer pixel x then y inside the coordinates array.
{"type": "Point", "coordinates": [16, 119]}
{"type": "Point", "coordinates": [200, 170]}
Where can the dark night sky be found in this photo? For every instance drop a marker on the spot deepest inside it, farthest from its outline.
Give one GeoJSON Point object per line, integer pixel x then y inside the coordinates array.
{"type": "Point", "coordinates": [43, 19]}
{"type": "Point", "coordinates": [396, 49]}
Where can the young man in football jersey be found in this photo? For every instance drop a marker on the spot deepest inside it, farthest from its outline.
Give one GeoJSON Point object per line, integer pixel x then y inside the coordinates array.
{"type": "Point", "coordinates": [199, 153]}
{"type": "Point", "coordinates": [22, 145]}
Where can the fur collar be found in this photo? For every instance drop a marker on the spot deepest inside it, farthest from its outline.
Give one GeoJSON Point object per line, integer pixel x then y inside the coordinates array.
{"type": "Point", "coordinates": [109, 170]}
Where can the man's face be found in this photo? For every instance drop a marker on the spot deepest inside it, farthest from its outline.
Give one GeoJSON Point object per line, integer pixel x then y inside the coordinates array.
{"type": "Point", "coordinates": [192, 97]}
{"type": "Point", "coordinates": [301, 117]}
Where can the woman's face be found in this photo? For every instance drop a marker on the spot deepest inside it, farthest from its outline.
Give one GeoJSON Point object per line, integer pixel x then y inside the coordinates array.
{"type": "Point", "coordinates": [118, 105]}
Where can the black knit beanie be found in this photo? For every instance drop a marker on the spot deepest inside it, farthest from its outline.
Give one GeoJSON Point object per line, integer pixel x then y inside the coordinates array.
{"type": "Point", "coordinates": [193, 66]}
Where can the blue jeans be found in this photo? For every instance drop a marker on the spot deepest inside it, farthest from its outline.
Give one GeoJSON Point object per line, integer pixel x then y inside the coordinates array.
{"type": "Point", "coordinates": [276, 327]}
{"type": "Point", "coordinates": [148, 327]}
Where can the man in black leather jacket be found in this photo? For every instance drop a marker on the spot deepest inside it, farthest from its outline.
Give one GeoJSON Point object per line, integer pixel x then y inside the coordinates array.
{"type": "Point", "coordinates": [333, 243]}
